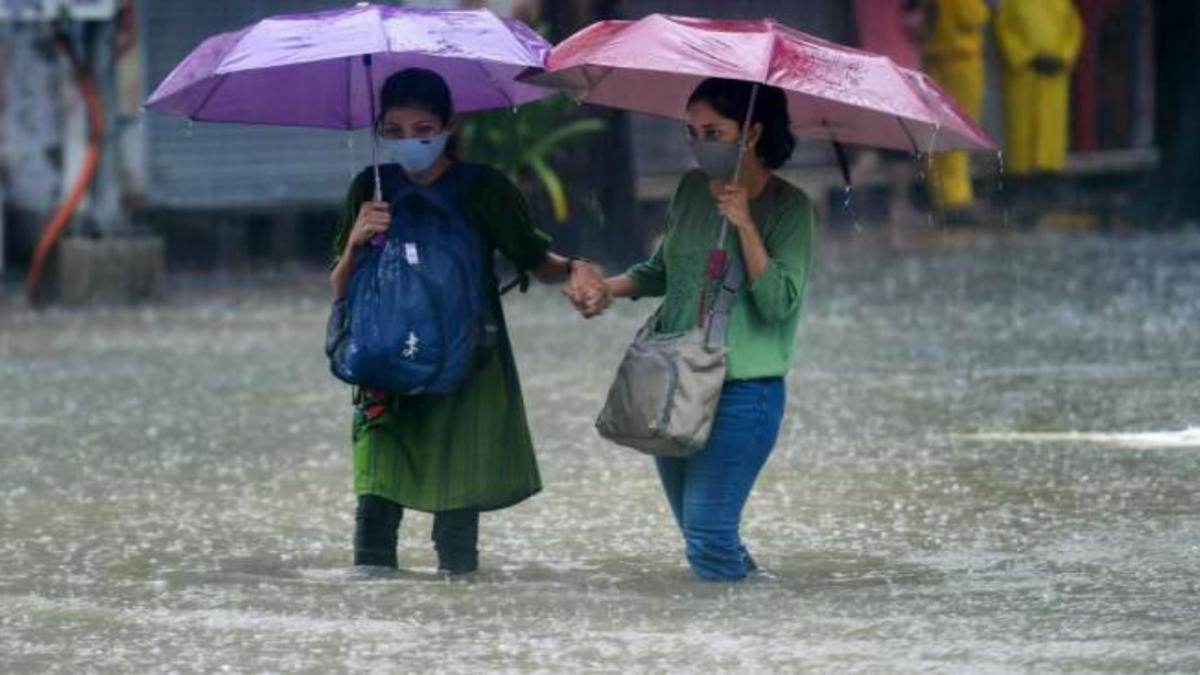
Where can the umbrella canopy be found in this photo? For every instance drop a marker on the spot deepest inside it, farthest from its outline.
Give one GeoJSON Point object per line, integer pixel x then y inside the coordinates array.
{"type": "Point", "coordinates": [325, 69]}
{"type": "Point", "coordinates": [834, 92]}
{"type": "Point", "coordinates": [950, 116]}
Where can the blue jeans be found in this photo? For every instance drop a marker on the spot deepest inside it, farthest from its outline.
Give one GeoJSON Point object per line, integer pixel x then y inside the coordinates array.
{"type": "Point", "coordinates": [708, 490]}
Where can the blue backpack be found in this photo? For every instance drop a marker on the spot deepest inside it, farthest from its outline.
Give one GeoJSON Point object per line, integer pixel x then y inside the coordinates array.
{"type": "Point", "coordinates": [415, 311]}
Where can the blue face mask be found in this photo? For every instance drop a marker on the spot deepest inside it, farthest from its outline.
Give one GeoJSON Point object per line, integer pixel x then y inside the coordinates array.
{"type": "Point", "coordinates": [415, 155]}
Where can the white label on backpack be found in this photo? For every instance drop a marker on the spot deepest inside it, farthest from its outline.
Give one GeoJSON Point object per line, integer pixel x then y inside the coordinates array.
{"type": "Point", "coordinates": [410, 253]}
{"type": "Point", "coordinates": [411, 346]}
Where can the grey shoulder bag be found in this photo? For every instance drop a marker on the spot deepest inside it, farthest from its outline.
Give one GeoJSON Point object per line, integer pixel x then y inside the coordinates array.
{"type": "Point", "coordinates": [665, 394]}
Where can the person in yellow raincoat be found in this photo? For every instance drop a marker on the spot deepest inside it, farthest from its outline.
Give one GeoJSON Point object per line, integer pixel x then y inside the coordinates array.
{"type": "Point", "coordinates": [953, 55]}
{"type": "Point", "coordinates": [1039, 42]}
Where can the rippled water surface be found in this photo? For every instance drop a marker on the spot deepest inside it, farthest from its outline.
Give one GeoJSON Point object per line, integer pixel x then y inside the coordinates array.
{"type": "Point", "coordinates": [990, 462]}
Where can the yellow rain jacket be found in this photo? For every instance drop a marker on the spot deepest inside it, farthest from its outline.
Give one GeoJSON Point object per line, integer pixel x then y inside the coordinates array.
{"type": "Point", "coordinates": [953, 55]}
{"type": "Point", "coordinates": [1036, 104]}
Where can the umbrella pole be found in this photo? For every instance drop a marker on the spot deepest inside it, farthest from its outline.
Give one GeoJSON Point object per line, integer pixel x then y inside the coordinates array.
{"type": "Point", "coordinates": [737, 172]}
{"type": "Point", "coordinates": [374, 127]}
{"type": "Point", "coordinates": [717, 258]}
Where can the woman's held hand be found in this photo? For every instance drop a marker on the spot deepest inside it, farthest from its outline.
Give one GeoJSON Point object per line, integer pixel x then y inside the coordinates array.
{"type": "Point", "coordinates": [587, 290]}
{"type": "Point", "coordinates": [733, 202]}
{"type": "Point", "coordinates": [373, 218]}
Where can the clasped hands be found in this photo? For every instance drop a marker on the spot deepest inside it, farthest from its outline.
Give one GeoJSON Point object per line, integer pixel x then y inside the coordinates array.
{"type": "Point", "coordinates": [587, 290]}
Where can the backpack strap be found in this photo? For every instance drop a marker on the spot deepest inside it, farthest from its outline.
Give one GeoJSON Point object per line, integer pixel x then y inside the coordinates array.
{"type": "Point", "coordinates": [444, 193]}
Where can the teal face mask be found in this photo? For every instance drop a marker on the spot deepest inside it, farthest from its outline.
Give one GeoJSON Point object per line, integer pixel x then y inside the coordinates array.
{"type": "Point", "coordinates": [718, 159]}
{"type": "Point", "coordinates": [415, 155]}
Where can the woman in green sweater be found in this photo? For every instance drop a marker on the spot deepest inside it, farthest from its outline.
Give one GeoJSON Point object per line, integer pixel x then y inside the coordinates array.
{"type": "Point", "coordinates": [772, 222]}
{"type": "Point", "coordinates": [456, 454]}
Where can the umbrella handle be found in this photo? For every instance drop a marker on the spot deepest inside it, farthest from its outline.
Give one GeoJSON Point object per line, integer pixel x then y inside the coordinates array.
{"type": "Point", "coordinates": [374, 136]}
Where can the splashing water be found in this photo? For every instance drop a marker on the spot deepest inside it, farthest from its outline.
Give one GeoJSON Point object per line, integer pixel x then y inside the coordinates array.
{"type": "Point", "coordinates": [848, 204]}
{"type": "Point", "coordinates": [999, 172]}
{"type": "Point", "coordinates": [175, 492]}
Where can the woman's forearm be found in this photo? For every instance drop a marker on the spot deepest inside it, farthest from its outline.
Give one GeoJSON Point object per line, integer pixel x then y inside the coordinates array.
{"type": "Point", "coordinates": [555, 269]}
{"type": "Point", "coordinates": [339, 278]}
{"type": "Point", "coordinates": [754, 252]}
{"type": "Point", "coordinates": [622, 286]}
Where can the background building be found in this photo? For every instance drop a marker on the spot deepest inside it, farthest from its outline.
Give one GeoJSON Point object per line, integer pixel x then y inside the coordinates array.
{"type": "Point", "coordinates": [224, 194]}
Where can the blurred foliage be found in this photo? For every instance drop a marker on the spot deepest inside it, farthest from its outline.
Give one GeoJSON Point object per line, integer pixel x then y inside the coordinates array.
{"type": "Point", "coordinates": [524, 142]}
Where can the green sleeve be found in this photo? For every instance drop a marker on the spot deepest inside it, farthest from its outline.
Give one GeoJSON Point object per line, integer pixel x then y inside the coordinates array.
{"type": "Point", "coordinates": [651, 275]}
{"type": "Point", "coordinates": [506, 219]}
{"type": "Point", "coordinates": [359, 192]}
{"type": "Point", "coordinates": [779, 292]}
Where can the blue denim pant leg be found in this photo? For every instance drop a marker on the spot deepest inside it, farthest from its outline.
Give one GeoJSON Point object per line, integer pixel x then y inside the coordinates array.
{"type": "Point", "coordinates": [708, 490]}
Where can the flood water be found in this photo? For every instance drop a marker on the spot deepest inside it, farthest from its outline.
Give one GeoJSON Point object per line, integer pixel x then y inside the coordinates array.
{"type": "Point", "coordinates": [990, 463]}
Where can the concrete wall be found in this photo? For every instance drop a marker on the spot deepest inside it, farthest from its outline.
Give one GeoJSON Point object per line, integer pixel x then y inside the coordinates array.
{"type": "Point", "coordinates": [110, 271]}
{"type": "Point", "coordinates": [31, 139]}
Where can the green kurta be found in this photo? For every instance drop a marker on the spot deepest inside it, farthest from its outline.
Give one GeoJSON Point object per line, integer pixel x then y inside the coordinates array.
{"type": "Point", "coordinates": [471, 448]}
{"type": "Point", "coordinates": [762, 323]}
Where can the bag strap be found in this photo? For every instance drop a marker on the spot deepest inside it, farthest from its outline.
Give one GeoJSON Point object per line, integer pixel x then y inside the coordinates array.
{"type": "Point", "coordinates": [442, 194]}
{"type": "Point", "coordinates": [717, 329]}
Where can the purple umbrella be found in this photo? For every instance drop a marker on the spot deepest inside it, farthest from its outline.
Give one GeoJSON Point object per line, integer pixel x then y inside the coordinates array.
{"type": "Point", "coordinates": [325, 69]}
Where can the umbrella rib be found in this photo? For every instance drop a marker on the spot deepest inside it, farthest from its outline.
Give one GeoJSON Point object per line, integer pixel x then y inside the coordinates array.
{"type": "Point", "coordinates": [599, 81]}
{"type": "Point", "coordinates": [911, 139]}
{"type": "Point", "coordinates": [211, 92]}
{"type": "Point", "coordinates": [488, 75]}
{"type": "Point", "coordinates": [770, 58]}
{"type": "Point", "coordinates": [349, 88]}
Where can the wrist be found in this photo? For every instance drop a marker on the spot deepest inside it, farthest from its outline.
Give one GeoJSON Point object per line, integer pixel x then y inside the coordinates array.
{"type": "Point", "coordinates": [573, 262]}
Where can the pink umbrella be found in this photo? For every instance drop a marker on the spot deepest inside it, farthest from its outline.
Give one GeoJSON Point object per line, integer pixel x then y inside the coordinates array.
{"type": "Point", "coordinates": [951, 116]}
{"type": "Point", "coordinates": [834, 92]}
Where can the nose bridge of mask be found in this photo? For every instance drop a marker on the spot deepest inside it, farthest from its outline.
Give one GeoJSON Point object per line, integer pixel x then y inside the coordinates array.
{"type": "Point", "coordinates": [416, 154]}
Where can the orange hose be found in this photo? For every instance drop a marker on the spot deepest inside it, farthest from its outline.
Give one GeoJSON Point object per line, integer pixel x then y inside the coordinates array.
{"type": "Point", "coordinates": [62, 218]}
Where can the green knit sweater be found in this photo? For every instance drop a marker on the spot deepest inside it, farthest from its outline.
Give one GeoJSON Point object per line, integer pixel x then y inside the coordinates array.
{"type": "Point", "coordinates": [762, 326]}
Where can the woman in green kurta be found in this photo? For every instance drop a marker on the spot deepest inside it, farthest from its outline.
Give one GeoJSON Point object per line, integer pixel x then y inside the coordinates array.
{"type": "Point", "coordinates": [771, 231]}
{"type": "Point", "coordinates": [458, 454]}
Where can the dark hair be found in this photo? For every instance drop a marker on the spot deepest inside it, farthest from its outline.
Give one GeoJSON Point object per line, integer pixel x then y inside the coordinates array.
{"type": "Point", "coordinates": [419, 88]}
{"type": "Point", "coordinates": [731, 99]}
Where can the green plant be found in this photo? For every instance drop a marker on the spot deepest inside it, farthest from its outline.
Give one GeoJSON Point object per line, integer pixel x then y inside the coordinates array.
{"type": "Point", "coordinates": [526, 140]}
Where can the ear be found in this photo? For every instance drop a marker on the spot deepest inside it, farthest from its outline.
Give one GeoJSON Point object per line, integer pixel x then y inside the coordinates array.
{"type": "Point", "coordinates": [755, 135]}
{"type": "Point", "coordinates": [453, 125]}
